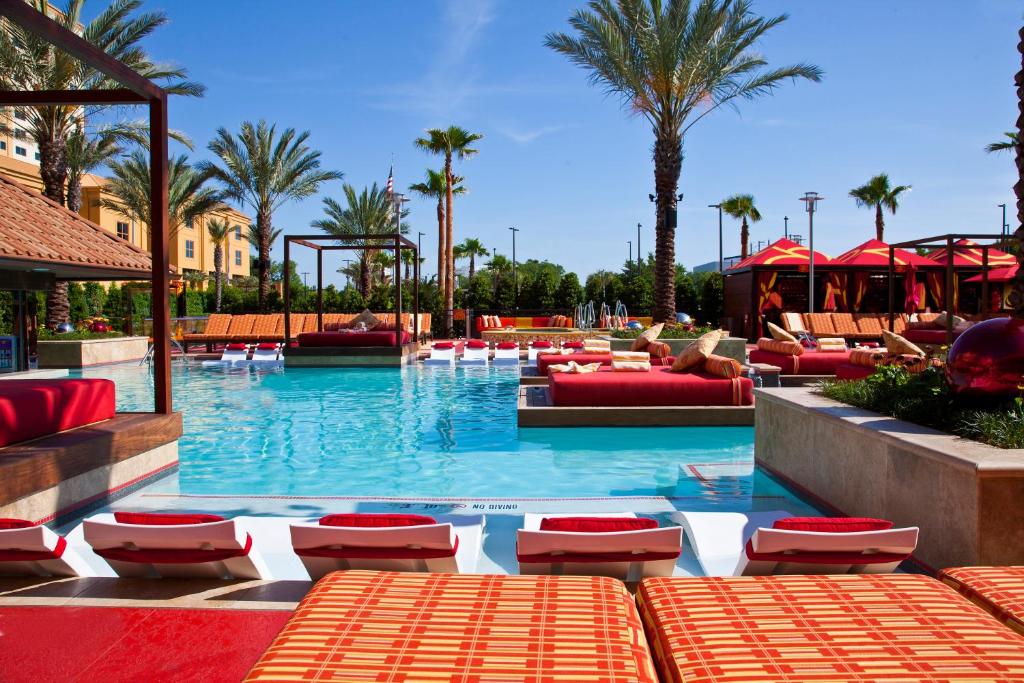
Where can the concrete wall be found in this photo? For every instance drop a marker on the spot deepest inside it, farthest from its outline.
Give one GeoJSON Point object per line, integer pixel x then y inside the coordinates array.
{"type": "Point", "coordinates": [967, 498]}
{"type": "Point", "coordinates": [730, 347]}
{"type": "Point", "coordinates": [85, 352]}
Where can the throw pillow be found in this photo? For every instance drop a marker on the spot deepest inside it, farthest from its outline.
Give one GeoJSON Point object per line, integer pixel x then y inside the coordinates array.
{"type": "Point", "coordinates": [785, 348]}
{"type": "Point", "coordinates": [646, 337]}
{"type": "Point", "coordinates": [659, 349]}
{"type": "Point", "coordinates": [368, 320]}
{"type": "Point", "coordinates": [940, 320]}
{"type": "Point", "coordinates": [694, 355]}
{"type": "Point", "coordinates": [779, 333]}
{"type": "Point", "coordinates": [899, 345]}
{"type": "Point", "coordinates": [721, 366]}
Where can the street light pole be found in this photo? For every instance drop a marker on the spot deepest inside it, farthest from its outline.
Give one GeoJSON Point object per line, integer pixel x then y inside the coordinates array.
{"type": "Point", "coordinates": [721, 256]}
{"type": "Point", "coordinates": [515, 280]}
{"type": "Point", "coordinates": [1004, 229]}
{"type": "Point", "coordinates": [811, 200]}
{"type": "Point", "coordinates": [639, 254]}
{"type": "Point", "coordinates": [630, 261]}
{"type": "Point", "coordinates": [786, 229]}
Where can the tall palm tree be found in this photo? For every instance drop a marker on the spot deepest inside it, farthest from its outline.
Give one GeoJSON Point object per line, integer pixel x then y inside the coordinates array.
{"type": "Point", "coordinates": [1008, 144]}
{"type": "Point", "coordinates": [189, 195]}
{"type": "Point", "coordinates": [449, 142]}
{"type": "Point", "coordinates": [370, 212]}
{"type": "Point", "coordinates": [741, 207]}
{"type": "Point", "coordinates": [435, 186]}
{"type": "Point", "coordinates": [471, 248]}
{"type": "Point", "coordinates": [878, 193]}
{"type": "Point", "coordinates": [673, 62]}
{"type": "Point", "coordinates": [219, 230]}
{"type": "Point", "coordinates": [262, 171]}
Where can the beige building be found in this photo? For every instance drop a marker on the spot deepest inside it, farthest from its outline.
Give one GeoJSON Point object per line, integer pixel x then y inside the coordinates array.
{"type": "Point", "coordinates": [191, 249]}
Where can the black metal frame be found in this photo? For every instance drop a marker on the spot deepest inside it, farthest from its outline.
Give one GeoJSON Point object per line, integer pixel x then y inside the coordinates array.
{"type": "Point", "coordinates": [398, 243]}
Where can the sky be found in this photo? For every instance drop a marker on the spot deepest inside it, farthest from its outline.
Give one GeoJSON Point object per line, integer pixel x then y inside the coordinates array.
{"type": "Point", "coordinates": [914, 88]}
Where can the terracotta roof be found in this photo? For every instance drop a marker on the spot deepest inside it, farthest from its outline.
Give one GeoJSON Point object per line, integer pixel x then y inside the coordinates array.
{"type": "Point", "coordinates": [36, 232]}
{"type": "Point", "coordinates": [875, 253]}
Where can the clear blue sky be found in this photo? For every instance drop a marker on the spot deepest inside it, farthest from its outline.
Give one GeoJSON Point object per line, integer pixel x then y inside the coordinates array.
{"type": "Point", "coordinates": [914, 88]}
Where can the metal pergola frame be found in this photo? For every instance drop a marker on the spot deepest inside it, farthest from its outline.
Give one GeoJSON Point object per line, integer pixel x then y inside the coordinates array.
{"type": "Point", "coordinates": [398, 242]}
{"type": "Point", "coordinates": [137, 90]}
{"type": "Point", "coordinates": [946, 242]}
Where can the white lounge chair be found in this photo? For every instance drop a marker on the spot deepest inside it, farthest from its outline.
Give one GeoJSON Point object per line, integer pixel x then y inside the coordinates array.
{"type": "Point", "coordinates": [154, 548]}
{"type": "Point", "coordinates": [233, 353]}
{"type": "Point", "coordinates": [475, 352]}
{"type": "Point", "coordinates": [441, 353]}
{"type": "Point", "coordinates": [626, 555]}
{"type": "Point", "coordinates": [536, 348]}
{"type": "Point", "coordinates": [506, 353]}
{"type": "Point", "coordinates": [267, 352]}
{"type": "Point", "coordinates": [28, 549]}
{"type": "Point", "coordinates": [717, 538]}
{"type": "Point", "coordinates": [449, 546]}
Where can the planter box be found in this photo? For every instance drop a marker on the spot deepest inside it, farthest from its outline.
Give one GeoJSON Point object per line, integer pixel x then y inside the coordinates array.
{"type": "Point", "coordinates": [84, 352]}
{"type": "Point", "coordinates": [967, 497]}
{"type": "Point", "coordinates": [730, 347]}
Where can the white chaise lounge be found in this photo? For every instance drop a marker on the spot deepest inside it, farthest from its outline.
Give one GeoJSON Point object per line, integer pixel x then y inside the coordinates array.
{"type": "Point", "coordinates": [28, 549]}
{"type": "Point", "coordinates": [441, 353]}
{"type": "Point", "coordinates": [475, 352]}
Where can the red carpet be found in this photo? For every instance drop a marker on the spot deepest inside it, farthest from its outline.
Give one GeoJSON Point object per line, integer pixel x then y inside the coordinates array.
{"type": "Point", "coordinates": [133, 644]}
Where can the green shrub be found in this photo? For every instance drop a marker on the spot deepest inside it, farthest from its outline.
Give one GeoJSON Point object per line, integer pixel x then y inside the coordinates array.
{"type": "Point", "coordinates": [77, 335]}
{"type": "Point", "coordinates": [670, 331]}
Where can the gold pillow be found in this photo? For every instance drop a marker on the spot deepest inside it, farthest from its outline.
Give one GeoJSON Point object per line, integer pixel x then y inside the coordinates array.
{"type": "Point", "coordinates": [940, 320]}
{"type": "Point", "coordinates": [659, 349]}
{"type": "Point", "coordinates": [694, 355]}
{"type": "Point", "coordinates": [898, 345]}
{"type": "Point", "coordinates": [721, 366]}
{"type": "Point", "coordinates": [367, 318]}
{"type": "Point", "coordinates": [786, 348]}
{"type": "Point", "coordinates": [779, 333]}
{"type": "Point", "coordinates": [646, 337]}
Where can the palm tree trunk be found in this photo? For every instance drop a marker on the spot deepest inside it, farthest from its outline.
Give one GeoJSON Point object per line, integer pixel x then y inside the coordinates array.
{"type": "Point", "coordinates": [472, 265]}
{"type": "Point", "coordinates": [879, 223]}
{"type": "Point", "coordinates": [264, 228]}
{"type": "Point", "coordinates": [364, 275]}
{"type": "Point", "coordinates": [442, 251]}
{"type": "Point", "coordinates": [1017, 296]}
{"type": "Point", "coordinates": [744, 239]}
{"type": "Point", "coordinates": [449, 281]}
{"type": "Point", "coordinates": [58, 308]}
{"type": "Point", "coordinates": [53, 169]}
{"type": "Point", "coordinates": [218, 263]}
{"type": "Point", "coordinates": [668, 162]}
{"type": "Point", "coordinates": [74, 193]}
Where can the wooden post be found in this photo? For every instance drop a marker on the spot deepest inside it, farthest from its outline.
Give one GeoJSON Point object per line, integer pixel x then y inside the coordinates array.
{"type": "Point", "coordinates": [416, 297]}
{"type": "Point", "coordinates": [398, 291]}
{"type": "Point", "coordinates": [287, 293]}
{"type": "Point", "coordinates": [949, 290]}
{"type": "Point", "coordinates": [984, 281]}
{"type": "Point", "coordinates": [892, 288]}
{"type": "Point", "coordinates": [320, 290]}
{"type": "Point", "coordinates": [159, 230]}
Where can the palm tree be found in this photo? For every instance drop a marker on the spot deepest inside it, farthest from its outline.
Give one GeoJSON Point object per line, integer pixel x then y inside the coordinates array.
{"type": "Point", "coordinates": [29, 62]}
{"type": "Point", "coordinates": [370, 212]}
{"type": "Point", "coordinates": [471, 248]}
{"type": "Point", "coordinates": [219, 230]}
{"type": "Point", "coordinates": [1003, 145]}
{"type": "Point", "coordinates": [673, 63]}
{"type": "Point", "coordinates": [879, 194]}
{"type": "Point", "coordinates": [188, 196]}
{"type": "Point", "coordinates": [262, 171]}
{"type": "Point", "coordinates": [449, 142]}
{"type": "Point", "coordinates": [435, 186]}
{"type": "Point", "coordinates": [741, 207]}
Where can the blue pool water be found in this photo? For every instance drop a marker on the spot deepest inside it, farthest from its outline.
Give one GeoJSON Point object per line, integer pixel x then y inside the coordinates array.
{"type": "Point", "coordinates": [425, 432]}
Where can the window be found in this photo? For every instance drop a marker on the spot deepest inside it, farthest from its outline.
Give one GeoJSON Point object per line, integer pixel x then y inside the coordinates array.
{"type": "Point", "coordinates": [3, 145]}
{"type": "Point", "coordinates": [188, 224]}
{"type": "Point", "coordinates": [20, 151]}
{"type": "Point", "coordinates": [238, 258]}
{"type": "Point", "coordinates": [37, 156]}
{"type": "Point", "coordinates": [122, 230]}
{"type": "Point", "coordinates": [238, 232]}
{"type": "Point", "coordinates": [190, 249]}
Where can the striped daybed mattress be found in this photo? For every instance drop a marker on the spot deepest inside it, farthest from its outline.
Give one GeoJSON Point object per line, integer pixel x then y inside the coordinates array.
{"type": "Point", "coordinates": [999, 590]}
{"type": "Point", "coordinates": [387, 626]}
{"type": "Point", "coordinates": [896, 627]}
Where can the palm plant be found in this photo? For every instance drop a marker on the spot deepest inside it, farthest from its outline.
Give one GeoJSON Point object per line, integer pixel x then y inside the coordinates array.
{"type": "Point", "coordinates": [673, 62]}
{"type": "Point", "coordinates": [1003, 145]}
{"type": "Point", "coordinates": [471, 248]}
{"type": "Point", "coordinates": [435, 186]}
{"type": "Point", "coordinates": [449, 142]}
{"type": "Point", "coordinates": [370, 212]}
{"type": "Point", "coordinates": [741, 207]}
{"type": "Point", "coordinates": [219, 230]}
{"type": "Point", "coordinates": [262, 171]}
{"type": "Point", "coordinates": [188, 197]}
{"type": "Point", "coordinates": [252, 235]}
{"type": "Point", "coordinates": [877, 193]}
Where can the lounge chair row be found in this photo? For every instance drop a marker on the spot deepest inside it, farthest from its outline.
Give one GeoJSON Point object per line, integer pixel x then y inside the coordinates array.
{"type": "Point", "coordinates": [619, 545]}
{"type": "Point", "coordinates": [223, 328]}
{"type": "Point", "coordinates": [474, 352]}
{"type": "Point", "coordinates": [239, 353]}
{"type": "Point", "coordinates": [376, 626]}
{"type": "Point", "coordinates": [852, 326]}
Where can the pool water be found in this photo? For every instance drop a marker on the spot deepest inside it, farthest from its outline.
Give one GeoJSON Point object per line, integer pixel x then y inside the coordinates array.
{"type": "Point", "coordinates": [427, 432]}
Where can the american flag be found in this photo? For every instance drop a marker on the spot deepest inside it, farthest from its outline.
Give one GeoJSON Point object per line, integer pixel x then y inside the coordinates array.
{"type": "Point", "coordinates": [391, 181]}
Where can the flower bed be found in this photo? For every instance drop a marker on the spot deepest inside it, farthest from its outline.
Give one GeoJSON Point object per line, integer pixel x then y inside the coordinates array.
{"type": "Point", "coordinates": [670, 331]}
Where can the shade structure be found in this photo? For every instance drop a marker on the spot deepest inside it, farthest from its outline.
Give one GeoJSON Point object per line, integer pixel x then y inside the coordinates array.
{"type": "Point", "coordinates": [784, 252]}
{"type": "Point", "coordinates": [997, 275]}
{"type": "Point", "coordinates": [875, 254]}
{"type": "Point", "coordinates": [969, 255]}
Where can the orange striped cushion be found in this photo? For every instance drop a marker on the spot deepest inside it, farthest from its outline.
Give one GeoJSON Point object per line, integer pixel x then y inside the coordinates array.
{"type": "Point", "coordinates": [847, 627]}
{"type": "Point", "coordinates": [658, 349]}
{"type": "Point", "coordinates": [720, 366]}
{"type": "Point", "coordinates": [998, 590]}
{"type": "Point", "coordinates": [820, 324]}
{"type": "Point", "coordinates": [868, 358]}
{"type": "Point", "coordinates": [786, 348]}
{"type": "Point", "coordinates": [844, 324]}
{"type": "Point", "coordinates": [389, 626]}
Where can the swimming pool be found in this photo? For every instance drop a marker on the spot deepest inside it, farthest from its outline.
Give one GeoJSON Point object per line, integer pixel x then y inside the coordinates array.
{"type": "Point", "coordinates": [426, 432]}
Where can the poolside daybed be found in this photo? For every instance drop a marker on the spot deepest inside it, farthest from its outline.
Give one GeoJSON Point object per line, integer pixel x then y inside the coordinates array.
{"type": "Point", "coordinates": [348, 348]}
{"type": "Point", "coordinates": [997, 590]}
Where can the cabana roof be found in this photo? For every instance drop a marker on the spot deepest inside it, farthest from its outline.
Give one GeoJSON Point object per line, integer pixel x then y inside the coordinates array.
{"type": "Point", "coordinates": [972, 257]}
{"type": "Point", "coordinates": [875, 254]}
{"type": "Point", "coordinates": [782, 253]}
{"type": "Point", "coordinates": [997, 275]}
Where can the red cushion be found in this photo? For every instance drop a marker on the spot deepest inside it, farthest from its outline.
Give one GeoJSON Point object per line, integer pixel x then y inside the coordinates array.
{"type": "Point", "coordinates": [572, 345]}
{"type": "Point", "coordinates": [237, 347]}
{"type": "Point", "coordinates": [659, 387]}
{"type": "Point", "coordinates": [832, 525]}
{"type": "Point", "coordinates": [541, 344]}
{"type": "Point", "coordinates": [853, 372]}
{"type": "Point", "coordinates": [824, 557]}
{"type": "Point", "coordinates": [476, 344]}
{"type": "Point", "coordinates": [266, 346]}
{"type": "Point", "coordinates": [30, 408]}
{"type": "Point", "coordinates": [372, 520]}
{"type": "Point", "coordinates": [929, 336]}
{"type": "Point", "coordinates": [15, 524]}
{"type": "Point", "coordinates": [597, 525]}
{"type": "Point", "coordinates": [164, 518]}
{"type": "Point", "coordinates": [349, 339]}
{"type": "Point", "coordinates": [507, 345]}
{"type": "Point", "coordinates": [444, 346]}
{"type": "Point", "coordinates": [334, 327]}
{"type": "Point", "coordinates": [812, 362]}
{"type": "Point", "coordinates": [540, 321]}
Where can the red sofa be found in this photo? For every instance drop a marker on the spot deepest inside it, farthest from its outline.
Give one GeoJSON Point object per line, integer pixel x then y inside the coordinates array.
{"type": "Point", "coordinates": [852, 372]}
{"type": "Point", "coordinates": [659, 387]}
{"type": "Point", "coordinates": [936, 337]}
{"type": "Point", "coordinates": [810, 363]}
{"type": "Point", "coordinates": [546, 360]}
{"type": "Point", "coordinates": [31, 408]}
{"type": "Point", "coordinates": [350, 339]}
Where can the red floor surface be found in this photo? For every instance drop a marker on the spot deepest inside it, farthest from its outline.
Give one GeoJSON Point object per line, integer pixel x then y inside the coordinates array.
{"type": "Point", "coordinates": [43, 644]}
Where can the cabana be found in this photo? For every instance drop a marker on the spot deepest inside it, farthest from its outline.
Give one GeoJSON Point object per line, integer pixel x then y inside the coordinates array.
{"type": "Point", "coordinates": [775, 278]}
{"type": "Point", "coordinates": [1001, 281]}
{"type": "Point", "coordinates": [857, 279]}
{"type": "Point", "coordinates": [395, 346]}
